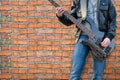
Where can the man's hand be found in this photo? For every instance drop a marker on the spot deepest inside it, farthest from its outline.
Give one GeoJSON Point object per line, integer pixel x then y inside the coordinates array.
{"type": "Point", "coordinates": [60, 11]}
{"type": "Point", "coordinates": [105, 42]}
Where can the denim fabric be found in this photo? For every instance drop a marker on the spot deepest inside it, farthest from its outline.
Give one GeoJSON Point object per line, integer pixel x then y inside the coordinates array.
{"type": "Point", "coordinates": [98, 68]}
{"type": "Point", "coordinates": [78, 61]}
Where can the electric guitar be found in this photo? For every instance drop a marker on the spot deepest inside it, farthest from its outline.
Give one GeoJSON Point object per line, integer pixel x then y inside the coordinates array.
{"type": "Point", "coordinates": [95, 36]}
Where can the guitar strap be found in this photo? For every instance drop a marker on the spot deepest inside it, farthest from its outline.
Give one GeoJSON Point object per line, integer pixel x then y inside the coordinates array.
{"type": "Point", "coordinates": [83, 13]}
{"type": "Point", "coordinates": [83, 6]}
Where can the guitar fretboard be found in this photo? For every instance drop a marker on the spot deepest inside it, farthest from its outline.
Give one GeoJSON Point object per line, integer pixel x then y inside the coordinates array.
{"type": "Point", "coordinates": [75, 21]}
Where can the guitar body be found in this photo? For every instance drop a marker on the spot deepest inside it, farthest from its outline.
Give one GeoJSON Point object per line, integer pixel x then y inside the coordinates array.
{"type": "Point", "coordinates": [97, 40]}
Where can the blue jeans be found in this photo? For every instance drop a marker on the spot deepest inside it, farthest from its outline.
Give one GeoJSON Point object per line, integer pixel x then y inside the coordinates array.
{"type": "Point", "coordinates": [78, 61]}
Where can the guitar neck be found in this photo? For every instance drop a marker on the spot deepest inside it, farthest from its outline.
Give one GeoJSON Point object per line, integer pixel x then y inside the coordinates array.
{"type": "Point", "coordinates": [74, 20]}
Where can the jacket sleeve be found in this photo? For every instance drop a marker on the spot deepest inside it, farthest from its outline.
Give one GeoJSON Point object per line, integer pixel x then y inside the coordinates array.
{"type": "Point", "coordinates": [64, 19]}
{"type": "Point", "coordinates": [112, 21]}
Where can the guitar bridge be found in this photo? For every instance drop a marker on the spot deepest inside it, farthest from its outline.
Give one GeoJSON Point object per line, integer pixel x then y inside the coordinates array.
{"type": "Point", "coordinates": [96, 50]}
{"type": "Point", "coordinates": [107, 50]}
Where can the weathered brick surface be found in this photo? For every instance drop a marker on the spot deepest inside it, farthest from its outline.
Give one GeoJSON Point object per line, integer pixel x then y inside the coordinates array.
{"type": "Point", "coordinates": [34, 45]}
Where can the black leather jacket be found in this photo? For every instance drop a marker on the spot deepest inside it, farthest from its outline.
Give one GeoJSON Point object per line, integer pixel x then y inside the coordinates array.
{"type": "Point", "coordinates": [106, 17]}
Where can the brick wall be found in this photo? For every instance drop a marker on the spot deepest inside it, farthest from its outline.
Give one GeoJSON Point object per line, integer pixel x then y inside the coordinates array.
{"type": "Point", "coordinates": [34, 45]}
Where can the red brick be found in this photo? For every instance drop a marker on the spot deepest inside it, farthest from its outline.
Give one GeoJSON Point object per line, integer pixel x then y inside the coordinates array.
{"type": "Point", "coordinates": [27, 77]}
{"type": "Point", "coordinates": [36, 60]}
{"type": "Point", "coordinates": [35, 47]}
{"type": "Point", "coordinates": [117, 8]}
{"type": "Point", "coordinates": [26, 54]}
{"type": "Point", "coordinates": [68, 42]}
{"type": "Point", "coordinates": [32, 20]}
{"type": "Point", "coordinates": [40, 2]}
{"type": "Point", "coordinates": [53, 59]}
{"type": "Point", "coordinates": [35, 25]}
{"type": "Point", "coordinates": [111, 77]}
{"type": "Point", "coordinates": [50, 14]}
{"type": "Point", "coordinates": [117, 71]}
{"type": "Point", "coordinates": [65, 71]}
{"type": "Point", "coordinates": [5, 53]}
{"type": "Point", "coordinates": [116, 77]}
{"type": "Point", "coordinates": [44, 43]}
{"type": "Point", "coordinates": [33, 3]}
{"type": "Point", "coordinates": [56, 66]}
{"type": "Point", "coordinates": [53, 26]}
{"type": "Point", "coordinates": [4, 71]}
{"type": "Point", "coordinates": [5, 30]}
{"type": "Point", "coordinates": [47, 77]}
{"type": "Point", "coordinates": [14, 2]}
{"type": "Point", "coordinates": [62, 31]}
{"type": "Point", "coordinates": [27, 31]}
{"type": "Point", "coordinates": [19, 65]}
{"type": "Point", "coordinates": [54, 71]}
{"type": "Point", "coordinates": [5, 25]}
{"type": "Point", "coordinates": [18, 14]}
{"type": "Point", "coordinates": [51, 37]}
{"type": "Point", "coordinates": [15, 76]}
{"type": "Point", "coordinates": [5, 36]}
{"type": "Point", "coordinates": [20, 19]}
{"type": "Point", "coordinates": [66, 65]}
{"type": "Point", "coordinates": [52, 48]}
{"type": "Point", "coordinates": [4, 48]}
{"type": "Point", "coordinates": [64, 54]}
{"type": "Point", "coordinates": [6, 76]}
{"type": "Point", "coordinates": [34, 37]}
{"type": "Point", "coordinates": [110, 59]}
{"type": "Point", "coordinates": [15, 53]}
{"type": "Point", "coordinates": [6, 8]}
{"type": "Point", "coordinates": [22, 3]}
{"type": "Point", "coordinates": [27, 8]}
{"type": "Point", "coordinates": [117, 48]}
{"type": "Point", "coordinates": [47, 31]}
{"type": "Point", "coordinates": [42, 8]}
{"type": "Point", "coordinates": [62, 77]}
{"type": "Point", "coordinates": [5, 2]}
{"type": "Point", "coordinates": [56, 43]}
{"type": "Point", "coordinates": [5, 13]}
{"type": "Point", "coordinates": [117, 53]}
{"type": "Point", "coordinates": [44, 54]}
{"type": "Point", "coordinates": [15, 8]}
{"type": "Point", "coordinates": [34, 71]}
{"type": "Point", "coordinates": [19, 26]}
{"type": "Point", "coordinates": [5, 59]}
{"type": "Point", "coordinates": [66, 3]}
{"type": "Point", "coordinates": [21, 48]}
{"type": "Point", "coordinates": [44, 65]}
{"type": "Point", "coordinates": [47, 20]}
{"type": "Point", "coordinates": [66, 59]}
{"type": "Point", "coordinates": [32, 66]}
{"type": "Point", "coordinates": [19, 3]}
{"type": "Point", "coordinates": [68, 48]}
{"type": "Point", "coordinates": [18, 71]}
{"type": "Point", "coordinates": [20, 42]}
{"type": "Point", "coordinates": [19, 59]}
{"type": "Point", "coordinates": [117, 2]}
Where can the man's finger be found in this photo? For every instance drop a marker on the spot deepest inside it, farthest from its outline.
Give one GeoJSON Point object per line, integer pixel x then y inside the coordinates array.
{"type": "Point", "coordinates": [105, 43]}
